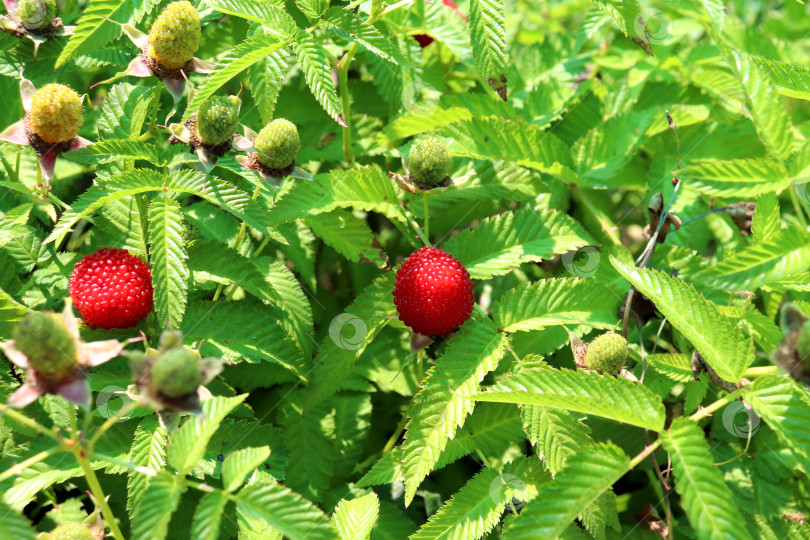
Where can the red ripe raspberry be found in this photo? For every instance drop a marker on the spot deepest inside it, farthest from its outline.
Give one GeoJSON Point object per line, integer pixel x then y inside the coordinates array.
{"type": "Point", "coordinates": [111, 289]}
{"type": "Point", "coordinates": [433, 292]}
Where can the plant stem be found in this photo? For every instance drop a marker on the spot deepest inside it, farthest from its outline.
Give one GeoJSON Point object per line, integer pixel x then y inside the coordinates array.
{"type": "Point", "coordinates": [237, 243]}
{"type": "Point", "coordinates": [427, 216]}
{"type": "Point", "coordinates": [750, 373]}
{"type": "Point", "coordinates": [22, 419]}
{"type": "Point", "coordinates": [21, 466]}
{"type": "Point", "coordinates": [346, 104]}
{"type": "Point", "coordinates": [797, 206]}
{"type": "Point", "coordinates": [644, 453]}
{"type": "Point", "coordinates": [98, 493]}
{"type": "Point", "coordinates": [720, 403]}
{"type": "Point", "coordinates": [125, 410]}
{"type": "Point", "coordinates": [608, 227]}
{"type": "Point", "coordinates": [389, 445]}
{"type": "Point", "coordinates": [420, 359]}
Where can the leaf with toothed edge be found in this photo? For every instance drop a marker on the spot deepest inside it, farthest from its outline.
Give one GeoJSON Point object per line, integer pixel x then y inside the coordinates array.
{"type": "Point", "coordinates": [318, 74]}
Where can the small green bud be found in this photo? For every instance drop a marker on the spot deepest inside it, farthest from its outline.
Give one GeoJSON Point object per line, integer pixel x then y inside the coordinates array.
{"type": "Point", "coordinates": [606, 354]}
{"type": "Point", "coordinates": [176, 373]}
{"type": "Point", "coordinates": [35, 14]}
{"type": "Point", "coordinates": [277, 144]}
{"type": "Point", "coordinates": [429, 161]}
{"type": "Point", "coordinates": [47, 343]}
{"type": "Point", "coordinates": [217, 119]}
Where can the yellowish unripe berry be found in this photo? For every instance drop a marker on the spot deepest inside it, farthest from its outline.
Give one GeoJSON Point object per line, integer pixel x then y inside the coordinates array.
{"type": "Point", "coordinates": [56, 113]}
{"type": "Point", "coordinates": [175, 35]}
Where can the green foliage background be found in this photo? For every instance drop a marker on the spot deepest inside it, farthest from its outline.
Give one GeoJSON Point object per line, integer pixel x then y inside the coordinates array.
{"type": "Point", "coordinates": [325, 424]}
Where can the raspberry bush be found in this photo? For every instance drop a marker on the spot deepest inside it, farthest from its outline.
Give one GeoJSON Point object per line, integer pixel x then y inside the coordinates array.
{"type": "Point", "coordinates": [420, 269]}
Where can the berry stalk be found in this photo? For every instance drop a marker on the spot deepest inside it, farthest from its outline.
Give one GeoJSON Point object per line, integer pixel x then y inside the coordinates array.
{"type": "Point", "coordinates": [98, 492]}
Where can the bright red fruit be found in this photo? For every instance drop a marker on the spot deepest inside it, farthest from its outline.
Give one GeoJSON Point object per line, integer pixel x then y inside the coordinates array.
{"type": "Point", "coordinates": [433, 292]}
{"type": "Point", "coordinates": [111, 289]}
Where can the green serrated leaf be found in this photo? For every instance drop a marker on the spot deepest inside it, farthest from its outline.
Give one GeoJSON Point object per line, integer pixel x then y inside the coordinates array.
{"type": "Point", "coordinates": [736, 178]}
{"type": "Point", "coordinates": [548, 302]}
{"type": "Point", "coordinates": [113, 150]}
{"type": "Point", "coordinates": [580, 391]}
{"type": "Point", "coordinates": [159, 502]}
{"type": "Point", "coordinates": [313, 59]}
{"type": "Point", "coordinates": [488, 38]}
{"type": "Point", "coordinates": [585, 477]}
{"type": "Point", "coordinates": [349, 236]}
{"type": "Point", "coordinates": [722, 344]}
{"type": "Point", "coordinates": [768, 112]}
{"type": "Point", "coordinates": [96, 27]}
{"type": "Point", "coordinates": [444, 402]}
{"type": "Point", "coordinates": [556, 433]}
{"type": "Point", "coordinates": [208, 515]}
{"type": "Point", "coordinates": [240, 463]}
{"type": "Point", "coordinates": [786, 409]}
{"type": "Point", "coordinates": [14, 525]}
{"type": "Point", "coordinates": [148, 450]}
{"type": "Point", "coordinates": [499, 244]}
{"type": "Point", "coordinates": [784, 253]}
{"type": "Point", "coordinates": [493, 138]}
{"type": "Point", "coordinates": [255, 48]}
{"type": "Point", "coordinates": [368, 188]}
{"type": "Point", "coordinates": [189, 442]}
{"type": "Point", "coordinates": [168, 261]}
{"type": "Point", "coordinates": [708, 502]}
{"type": "Point", "coordinates": [766, 219]}
{"type": "Point", "coordinates": [354, 519]}
{"type": "Point", "coordinates": [286, 511]}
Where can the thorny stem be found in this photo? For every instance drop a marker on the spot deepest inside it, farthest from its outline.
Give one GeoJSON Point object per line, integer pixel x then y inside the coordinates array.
{"type": "Point", "coordinates": [98, 493]}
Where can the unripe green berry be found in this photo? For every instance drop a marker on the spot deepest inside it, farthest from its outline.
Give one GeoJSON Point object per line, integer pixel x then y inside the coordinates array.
{"type": "Point", "coordinates": [429, 161]}
{"type": "Point", "coordinates": [176, 372]}
{"type": "Point", "coordinates": [56, 113]}
{"type": "Point", "coordinates": [803, 343]}
{"type": "Point", "coordinates": [607, 354]}
{"type": "Point", "coordinates": [47, 343]}
{"type": "Point", "coordinates": [217, 119]}
{"type": "Point", "coordinates": [175, 35]}
{"type": "Point", "coordinates": [36, 14]}
{"type": "Point", "coordinates": [71, 531]}
{"type": "Point", "coordinates": [277, 144]}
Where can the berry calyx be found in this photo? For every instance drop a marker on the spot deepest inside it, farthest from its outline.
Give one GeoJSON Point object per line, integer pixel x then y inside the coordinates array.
{"type": "Point", "coordinates": [175, 35]}
{"type": "Point", "coordinates": [433, 292]}
{"type": "Point", "coordinates": [111, 289]}
{"type": "Point", "coordinates": [56, 113]}
{"type": "Point", "coordinates": [176, 372]}
{"type": "Point", "coordinates": [277, 144]}
{"type": "Point", "coordinates": [35, 14]}
{"type": "Point", "coordinates": [47, 344]}
{"type": "Point", "coordinates": [429, 161]}
{"type": "Point", "coordinates": [71, 531]}
{"type": "Point", "coordinates": [217, 119]}
{"type": "Point", "coordinates": [606, 354]}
